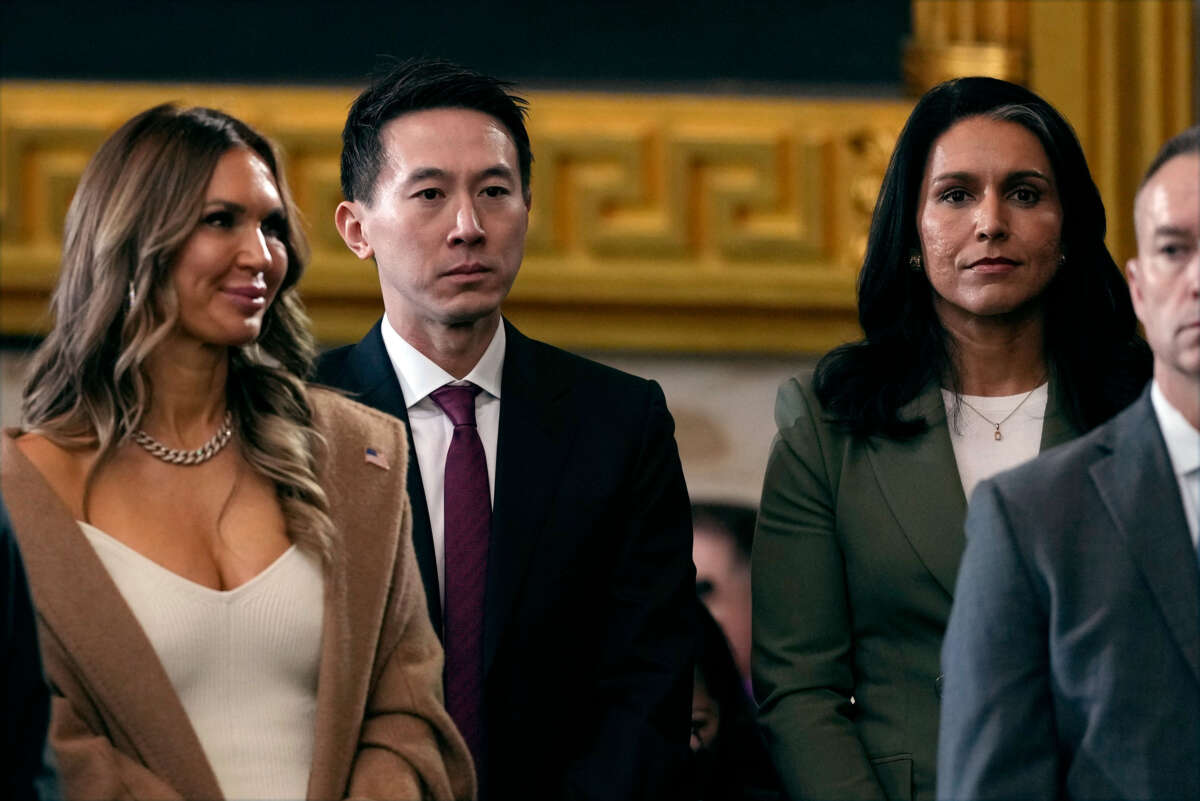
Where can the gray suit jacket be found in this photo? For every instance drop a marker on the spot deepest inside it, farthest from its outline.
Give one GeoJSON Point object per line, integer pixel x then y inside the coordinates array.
{"type": "Point", "coordinates": [855, 558]}
{"type": "Point", "coordinates": [1072, 657]}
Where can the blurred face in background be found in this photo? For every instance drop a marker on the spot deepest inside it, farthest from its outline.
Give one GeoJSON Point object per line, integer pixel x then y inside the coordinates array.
{"type": "Point", "coordinates": [723, 584]}
{"type": "Point", "coordinates": [706, 714]}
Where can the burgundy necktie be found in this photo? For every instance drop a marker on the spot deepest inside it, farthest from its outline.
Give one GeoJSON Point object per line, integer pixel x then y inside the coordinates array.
{"type": "Point", "coordinates": [468, 522]}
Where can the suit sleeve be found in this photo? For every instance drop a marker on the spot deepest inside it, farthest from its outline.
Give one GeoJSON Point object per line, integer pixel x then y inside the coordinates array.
{"type": "Point", "coordinates": [638, 748]}
{"type": "Point", "coordinates": [408, 746]}
{"type": "Point", "coordinates": [997, 737]}
{"type": "Point", "coordinates": [802, 659]}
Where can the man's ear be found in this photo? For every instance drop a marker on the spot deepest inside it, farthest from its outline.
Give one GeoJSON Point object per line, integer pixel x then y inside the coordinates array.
{"type": "Point", "coordinates": [1133, 276]}
{"type": "Point", "coordinates": [347, 217]}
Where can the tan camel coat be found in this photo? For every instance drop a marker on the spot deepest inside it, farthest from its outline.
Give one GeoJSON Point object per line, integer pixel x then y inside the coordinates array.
{"type": "Point", "coordinates": [120, 731]}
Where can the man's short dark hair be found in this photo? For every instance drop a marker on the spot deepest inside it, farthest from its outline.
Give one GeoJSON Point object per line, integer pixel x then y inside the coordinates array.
{"type": "Point", "coordinates": [417, 85]}
{"type": "Point", "coordinates": [1186, 141]}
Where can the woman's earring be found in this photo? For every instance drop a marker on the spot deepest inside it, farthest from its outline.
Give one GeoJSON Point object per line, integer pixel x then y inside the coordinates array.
{"type": "Point", "coordinates": [1062, 260]}
{"type": "Point", "coordinates": [914, 262]}
{"type": "Point", "coordinates": [132, 295]}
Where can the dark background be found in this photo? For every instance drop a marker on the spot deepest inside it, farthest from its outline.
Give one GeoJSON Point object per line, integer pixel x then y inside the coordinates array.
{"type": "Point", "coordinates": [804, 46]}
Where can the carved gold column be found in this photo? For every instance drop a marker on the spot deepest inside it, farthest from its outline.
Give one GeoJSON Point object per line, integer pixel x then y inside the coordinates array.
{"type": "Point", "coordinates": [1123, 72]}
{"type": "Point", "coordinates": [952, 38]}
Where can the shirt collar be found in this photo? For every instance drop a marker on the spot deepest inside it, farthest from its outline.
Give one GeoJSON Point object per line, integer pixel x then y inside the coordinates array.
{"type": "Point", "coordinates": [1183, 441]}
{"type": "Point", "coordinates": [419, 376]}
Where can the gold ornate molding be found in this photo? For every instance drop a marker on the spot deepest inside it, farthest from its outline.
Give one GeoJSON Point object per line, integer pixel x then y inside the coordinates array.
{"type": "Point", "coordinates": [659, 222]}
{"type": "Point", "coordinates": [1122, 72]}
{"type": "Point", "coordinates": [952, 38]}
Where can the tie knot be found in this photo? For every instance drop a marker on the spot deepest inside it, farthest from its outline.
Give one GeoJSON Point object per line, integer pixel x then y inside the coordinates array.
{"type": "Point", "coordinates": [458, 402]}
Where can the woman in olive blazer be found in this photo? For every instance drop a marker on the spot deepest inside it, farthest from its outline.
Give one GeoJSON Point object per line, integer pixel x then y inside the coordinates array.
{"type": "Point", "coordinates": [864, 538]}
{"type": "Point", "coordinates": [986, 279]}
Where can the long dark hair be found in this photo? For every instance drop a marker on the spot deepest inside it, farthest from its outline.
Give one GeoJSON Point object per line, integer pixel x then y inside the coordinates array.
{"type": "Point", "coordinates": [138, 201]}
{"type": "Point", "coordinates": [1092, 347]}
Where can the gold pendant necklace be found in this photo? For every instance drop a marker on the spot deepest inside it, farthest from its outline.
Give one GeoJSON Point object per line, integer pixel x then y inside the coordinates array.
{"type": "Point", "coordinates": [997, 435]}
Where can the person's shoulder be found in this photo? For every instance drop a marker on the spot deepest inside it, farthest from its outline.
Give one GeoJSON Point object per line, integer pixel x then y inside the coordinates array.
{"type": "Point", "coordinates": [798, 393]}
{"type": "Point", "coordinates": [346, 366]}
{"type": "Point", "coordinates": [1042, 498]}
{"type": "Point", "coordinates": [330, 366]}
{"type": "Point", "coordinates": [64, 468]}
{"type": "Point", "coordinates": [797, 405]}
{"type": "Point", "coordinates": [1062, 465]}
{"type": "Point", "coordinates": [337, 416]}
{"type": "Point", "coordinates": [582, 373]}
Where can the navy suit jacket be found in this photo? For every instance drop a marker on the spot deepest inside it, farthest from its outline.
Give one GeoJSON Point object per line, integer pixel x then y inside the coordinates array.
{"type": "Point", "coordinates": [1072, 656]}
{"type": "Point", "coordinates": [589, 626]}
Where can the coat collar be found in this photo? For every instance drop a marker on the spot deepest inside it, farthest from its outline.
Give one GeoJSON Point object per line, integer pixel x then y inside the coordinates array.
{"type": "Point", "coordinates": [920, 482]}
{"type": "Point", "coordinates": [358, 582]}
{"type": "Point", "coordinates": [371, 378]}
{"type": "Point", "coordinates": [1138, 488]}
{"type": "Point", "coordinates": [58, 556]}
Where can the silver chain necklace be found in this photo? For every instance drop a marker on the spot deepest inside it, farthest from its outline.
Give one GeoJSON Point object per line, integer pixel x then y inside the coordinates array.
{"type": "Point", "coordinates": [202, 454]}
{"type": "Point", "coordinates": [997, 436]}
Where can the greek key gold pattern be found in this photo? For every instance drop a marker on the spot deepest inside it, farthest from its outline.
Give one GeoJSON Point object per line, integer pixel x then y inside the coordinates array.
{"type": "Point", "coordinates": [659, 222]}
{"type": "Point", "coordinates": [667, 222]}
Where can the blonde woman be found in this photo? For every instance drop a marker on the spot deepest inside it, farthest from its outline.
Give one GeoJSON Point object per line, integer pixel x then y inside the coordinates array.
{"type": "Point", "coordinates": [219, 554]}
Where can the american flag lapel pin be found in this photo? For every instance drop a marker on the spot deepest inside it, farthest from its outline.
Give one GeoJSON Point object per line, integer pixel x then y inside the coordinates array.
{"type": "Point", "coordinates": [372, 456]}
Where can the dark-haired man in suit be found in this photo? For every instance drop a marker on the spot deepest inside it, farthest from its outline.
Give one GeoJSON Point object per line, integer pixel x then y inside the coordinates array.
{"type": "Point", "coordinates": [551, 520]}
{"type": "Point", "coordinates": [1072, 656]}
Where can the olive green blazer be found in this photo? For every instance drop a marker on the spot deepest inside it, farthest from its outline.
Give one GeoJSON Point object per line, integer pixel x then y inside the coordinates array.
{"type": "Point", "coordinates": [855, 559]}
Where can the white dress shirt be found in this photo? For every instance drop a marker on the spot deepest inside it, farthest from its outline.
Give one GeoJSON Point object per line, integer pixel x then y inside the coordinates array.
{"type": "Point", "coordinates": [1183, 448]}
{"type": "Point", "coordinates": [432, 429]}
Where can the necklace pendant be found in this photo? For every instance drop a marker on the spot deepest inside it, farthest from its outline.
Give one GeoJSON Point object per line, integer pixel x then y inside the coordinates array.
{"type": "Point", "coordinates": [997, 436]}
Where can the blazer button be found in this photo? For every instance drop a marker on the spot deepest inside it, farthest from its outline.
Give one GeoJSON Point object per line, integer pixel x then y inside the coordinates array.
{"type": "Point", "coordinates": [937, 684]}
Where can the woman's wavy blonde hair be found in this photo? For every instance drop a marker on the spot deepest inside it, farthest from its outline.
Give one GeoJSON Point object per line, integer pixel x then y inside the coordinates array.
{"type": "Point", "coordinates": [138, 201]}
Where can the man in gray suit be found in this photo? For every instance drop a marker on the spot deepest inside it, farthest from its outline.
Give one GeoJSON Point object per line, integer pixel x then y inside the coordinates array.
{"type": "Point", "coordinates": [1072, 656]}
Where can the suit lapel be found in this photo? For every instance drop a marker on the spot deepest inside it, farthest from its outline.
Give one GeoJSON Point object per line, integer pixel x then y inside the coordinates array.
{"type": "Point", "coordinates": [919, 480]}
{"type": "Point", "coordinates": [530, 451]}
{"type": "Point", "coordinates": [372, 379]}
{"type": "Point", "coordinates": [1138, 487]}
{"type": "Point", "coordinates": [1056, 428]}
{"type": "Point", "coordinates": [115, 660]}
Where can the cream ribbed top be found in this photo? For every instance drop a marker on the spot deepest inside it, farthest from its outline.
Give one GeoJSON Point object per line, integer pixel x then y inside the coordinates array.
{"type": "Point", "coordinates": [244, 662]}
{"type": "Point", "coordinates": [977, 452]}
